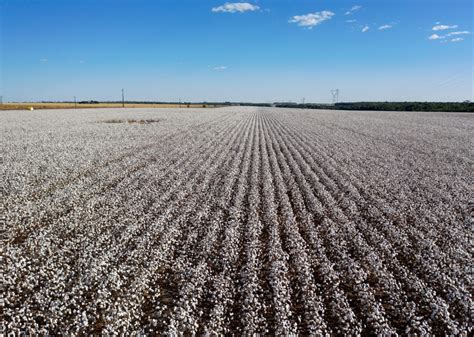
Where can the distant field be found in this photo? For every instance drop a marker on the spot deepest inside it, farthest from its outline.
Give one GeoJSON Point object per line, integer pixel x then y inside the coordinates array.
{"type": "Point", "coordinates": [27, 106]}
{"type": "Point", "coordinates": [237, 221]}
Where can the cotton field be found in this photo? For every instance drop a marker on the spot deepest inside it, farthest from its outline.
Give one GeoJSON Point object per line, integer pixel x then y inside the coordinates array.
{"type": "Point", "coordinates": [237, 220]}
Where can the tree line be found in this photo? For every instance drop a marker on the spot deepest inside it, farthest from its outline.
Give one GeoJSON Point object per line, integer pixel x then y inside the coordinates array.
{"type": "Point", "coordinates": [389, 106]}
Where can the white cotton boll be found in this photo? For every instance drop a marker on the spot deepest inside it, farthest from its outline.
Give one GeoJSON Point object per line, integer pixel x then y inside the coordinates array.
{"type": "Point", "coordinates": [84, 318]}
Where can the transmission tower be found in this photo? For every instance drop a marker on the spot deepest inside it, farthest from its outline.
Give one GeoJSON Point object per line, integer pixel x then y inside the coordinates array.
{"type": "Point", "coordinates": [335, 95]}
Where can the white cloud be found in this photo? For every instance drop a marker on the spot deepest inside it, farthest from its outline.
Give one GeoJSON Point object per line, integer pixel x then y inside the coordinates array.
{"type": "Point", "coordinates": [435, 37]}
{"type": "Point", "coordinates": [443, 27]}
{"type": "Point", "coordinates": [312, 19]}
{"type": "Point", "coordinates": [220, 68]}
{"type": "Point", "coordinates": [385, 27]}
{"type": "Point", "coordinates": [351, 21]}
{"type": "Point", "coordinates": [43, 60]}
{"type": "Point", "coordinates": [366, 28]}
{"type": "Point", "coordinates": [464, 32]}
{"type": "Point", "coordinates": [234, 7]}
{"type": "Point", "coordinates": [443, 37]}
{"type": "Point", "coordinates": [353, 9]}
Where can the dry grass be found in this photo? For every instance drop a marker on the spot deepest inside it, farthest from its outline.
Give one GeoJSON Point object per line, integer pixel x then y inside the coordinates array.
{"type": "Point", "coordinates": [27, 106]}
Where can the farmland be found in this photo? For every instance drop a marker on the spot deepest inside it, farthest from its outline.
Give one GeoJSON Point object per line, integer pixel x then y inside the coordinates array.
{"type": "Point", "coordinates": [81, 105]}
{"type": "Point", "coordinates": [243, 220]}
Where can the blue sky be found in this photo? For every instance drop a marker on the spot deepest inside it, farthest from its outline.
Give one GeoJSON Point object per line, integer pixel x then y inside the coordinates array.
{"type": "Point", "coordinates": [282, 50]}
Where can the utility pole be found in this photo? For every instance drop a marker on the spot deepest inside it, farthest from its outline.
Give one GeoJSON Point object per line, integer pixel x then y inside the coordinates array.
{"type": "Point", "coordinates": [75, 103]}
{"type": "Point", "coordinates": [123, 99]}
{"type": "Point", "coordinates": [335, 95]}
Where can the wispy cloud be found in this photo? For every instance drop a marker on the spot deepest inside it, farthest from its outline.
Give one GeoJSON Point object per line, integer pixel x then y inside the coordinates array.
{"type": "Point", "coordinates": [464, 32]}
{"type": "Point", "coordinates": [235, 7]}
{"type": "Point", "coordinates": [43, 60]}
{"type": "Point", "coordinates": [384, 27]}
{"type": "Point", "coordinates": [351, 21]}
{"type": "Point", "coordinates": [444, 38]}
{"type": "Point", "coordinates": [443, 27]}
{"type": "Point", "coordinates": [219, 68]}
{"type": "Point", "coordinates": [435, 37]}
{"type": "Point", "coordinates": [365, 29]}
{"type": "Point", "coordinates": [312, 19]}
{"type": "Point", "coordinates": [353, 9]}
